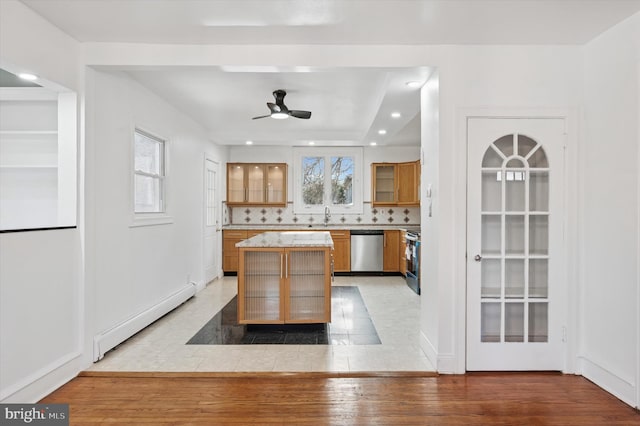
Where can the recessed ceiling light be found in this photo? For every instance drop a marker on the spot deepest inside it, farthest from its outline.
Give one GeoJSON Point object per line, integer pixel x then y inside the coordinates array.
{"type": "Point", "coordinates": [382, 132]}
{"type": "Point", "coordinates": [249, 142]}
{"type": "Point", "coordinates": [312, 143]}
{"type": "Point", "coordinates": [396, 114]}
{"type": "Point", "coordinates": [414, 84]}
{"type": "Point", "coordinates": [373, 143]}
{"type": "Point", "coordinates": [27, 76]}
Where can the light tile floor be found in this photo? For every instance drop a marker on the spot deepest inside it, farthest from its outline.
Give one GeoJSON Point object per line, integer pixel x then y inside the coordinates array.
{"type": "Point", "coordinates": [394, 309]}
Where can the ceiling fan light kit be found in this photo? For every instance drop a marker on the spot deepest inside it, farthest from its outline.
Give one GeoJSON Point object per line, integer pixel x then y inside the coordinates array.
{"type": "Point", "coordinates": [279, 110]}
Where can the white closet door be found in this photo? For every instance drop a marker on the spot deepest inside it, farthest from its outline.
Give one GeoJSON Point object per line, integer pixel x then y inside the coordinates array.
{"type": "Point", "coordinates": [516, 295]}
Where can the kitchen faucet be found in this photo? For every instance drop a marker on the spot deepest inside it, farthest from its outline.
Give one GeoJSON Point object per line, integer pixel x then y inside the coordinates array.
{"type": "Point", "coordinates": [327, 215]}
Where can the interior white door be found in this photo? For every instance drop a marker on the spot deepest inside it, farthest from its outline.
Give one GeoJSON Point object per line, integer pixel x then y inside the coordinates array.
{"type": "Point", "coordinates": [516, 294]}
{"type": "Point", "coordinates": [211, 221]}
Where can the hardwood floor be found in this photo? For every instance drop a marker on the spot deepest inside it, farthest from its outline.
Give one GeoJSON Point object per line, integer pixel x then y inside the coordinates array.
{"type": "Point", "coordinates": [324, 399]}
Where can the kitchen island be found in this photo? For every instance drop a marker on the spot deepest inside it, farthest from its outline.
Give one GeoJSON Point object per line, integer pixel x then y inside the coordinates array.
{"type": "Point", "coordinates": [285, 277]}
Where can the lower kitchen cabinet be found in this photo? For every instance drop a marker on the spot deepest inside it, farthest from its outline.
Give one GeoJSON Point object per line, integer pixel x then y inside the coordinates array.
{"type": "Point", "coordinates": [390, 259]}
{"type": "Point", "coordinates": [229, 249]}
{"type": "Point", "coordinates": [403, 253]}
{"type": "Point", "coordinates": [341, 250]}
{"type": "Point", "coordinates": [284, 285]}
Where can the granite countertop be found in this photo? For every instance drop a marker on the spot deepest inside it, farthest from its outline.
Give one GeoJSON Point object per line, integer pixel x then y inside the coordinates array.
{"type": "Point", "coordinates": [320, 227]}
{"type": "Point", "coordinates": [289, 239]}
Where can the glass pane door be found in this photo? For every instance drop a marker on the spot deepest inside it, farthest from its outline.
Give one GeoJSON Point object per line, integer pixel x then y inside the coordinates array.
{"type": "Point", "coordinates": [255, 184]}
{"type": "Point", "coordinates": [385, 183]}
{"type": "Point", "coordinates": [261, 291]}
{"type": "Point", "coordinates": [276, 184]}
{"type": "Point", "coordinates": [235, 190]}
{"type": "Point", "coordinates": [514, 241]}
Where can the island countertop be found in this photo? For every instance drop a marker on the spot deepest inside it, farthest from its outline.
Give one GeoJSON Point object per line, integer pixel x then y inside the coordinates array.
{"type": "Point", "coordinates": [289, 239]}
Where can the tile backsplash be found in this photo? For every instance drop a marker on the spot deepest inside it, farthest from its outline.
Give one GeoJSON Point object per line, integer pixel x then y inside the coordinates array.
{"type": "Point", "coordinates": [393, 215]}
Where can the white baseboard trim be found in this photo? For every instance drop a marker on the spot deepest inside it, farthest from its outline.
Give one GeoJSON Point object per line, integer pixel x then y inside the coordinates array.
{"type": "Point", "coordinates": [120, 332]}
{"type": "Point", "coordinates": [429, 350]}
{"type": "Point", "coordinates": [443, 363]}
{"type": "Point", "coordinates": [615, 385]}
{"type": "Point", "coordinates": [200, 285]}
{"type": "Point", "coordinates": [447, 364]}
{"type": "Point", "coordinates": [43, 381]}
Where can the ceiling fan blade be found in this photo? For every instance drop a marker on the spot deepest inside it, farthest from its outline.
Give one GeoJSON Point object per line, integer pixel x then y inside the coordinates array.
{"type": "Point", "coordinates": [300, 114]}
{"type": "Point", "coordinates": [273, 107]}
{"type": "Point", "coordinates": [261, 116]}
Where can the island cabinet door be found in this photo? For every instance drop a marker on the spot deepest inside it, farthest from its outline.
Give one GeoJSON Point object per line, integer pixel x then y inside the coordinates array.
{"type": "Point", "coordinates": [261, 275]}
{"type": "Point", "coordinates": [308, 285]}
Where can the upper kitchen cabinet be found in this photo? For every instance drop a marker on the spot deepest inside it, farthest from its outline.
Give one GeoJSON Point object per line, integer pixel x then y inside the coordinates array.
{"type": "Point", "coordinates": [256, 184]}
{"type": "Point", "coordinates": [395, 184]}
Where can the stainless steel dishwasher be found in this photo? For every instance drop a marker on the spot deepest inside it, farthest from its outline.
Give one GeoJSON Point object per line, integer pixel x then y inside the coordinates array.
{"type": "Point", "coordinates": [366, 250]}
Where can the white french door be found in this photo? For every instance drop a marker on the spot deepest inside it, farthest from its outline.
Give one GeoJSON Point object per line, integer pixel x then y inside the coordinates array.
{"type": "Point", "coordinates": [211, 221]}
{"type": "Point", "coordinates": [516, 294]}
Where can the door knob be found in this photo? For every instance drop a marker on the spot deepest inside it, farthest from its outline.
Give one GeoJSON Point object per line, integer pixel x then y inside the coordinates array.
{"type": "Point", "coordinates": [477, 258]}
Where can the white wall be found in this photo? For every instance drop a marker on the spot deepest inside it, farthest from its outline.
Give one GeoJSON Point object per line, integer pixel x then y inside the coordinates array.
{"type": "Point", "coordinates": [131, 269]}
{"type": "Point", "coordinates": [517, 79]}
{"type": "Point", "coordinates": [430, 232]}
{"type": "Point", "coordinates": [609, 211]}
{"type": "Point", "coordinates": [40, 272]}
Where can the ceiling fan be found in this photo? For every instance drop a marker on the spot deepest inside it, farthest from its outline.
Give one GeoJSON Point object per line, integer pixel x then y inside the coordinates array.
{"type": "Point", "coordinates": [280, 111]}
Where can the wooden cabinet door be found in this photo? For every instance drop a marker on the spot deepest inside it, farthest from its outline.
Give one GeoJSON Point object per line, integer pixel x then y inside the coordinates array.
{"type": "Point", "coordinates": [341, 251]}
{"type": "Point", "coordinates": [390, 260]}
{"type": "Point", "coordinates": [402, 255]}
{"type": "Point", "coordinates": [261, 282]}
{"type": "Point", "coordinates": [236, 184]}
{"type": "Point", "coordinates": [256, 184]}
{"type": "Point", "coordinates": [229, 249]}
{"type": "Point", "coordinates": [276, 189]}
{"type": "Point", "coordinates": [255, 178]}
{"type": "Point", "coordinates": [408, 178]}
{"type": "Point", "coordinates": [383, 179]}
{"type": "Point", "coordinates": [307, 290]}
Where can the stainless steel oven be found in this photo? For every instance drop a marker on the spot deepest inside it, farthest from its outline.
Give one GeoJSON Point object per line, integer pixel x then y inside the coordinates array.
{"type": "Point", "coordinates": [412, 255]}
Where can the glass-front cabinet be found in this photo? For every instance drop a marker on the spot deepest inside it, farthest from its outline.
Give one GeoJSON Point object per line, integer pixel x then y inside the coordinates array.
{"type": "Point", "coordinates": [395, 184]}
{"type": "Point", "coordinates": [383, 176]}
{"type": "Point", "coordinates": [257, 184]}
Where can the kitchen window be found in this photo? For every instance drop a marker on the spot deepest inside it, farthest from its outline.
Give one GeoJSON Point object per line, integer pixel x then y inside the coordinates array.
{"type": "Point", "coordinates": [328, 177]}
{"type": "Point", "coordinates": [149, 179]}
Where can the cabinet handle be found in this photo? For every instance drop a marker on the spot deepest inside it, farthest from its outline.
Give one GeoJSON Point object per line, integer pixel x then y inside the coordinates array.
{"type": "Point", "coordinates": [384, 240]}
{"type": "Point", "coordinates": [286, 265]}
{"type": "Point", "coordinates": [281, 255]}
{"type": "Point", "coordinates": [246, 194]}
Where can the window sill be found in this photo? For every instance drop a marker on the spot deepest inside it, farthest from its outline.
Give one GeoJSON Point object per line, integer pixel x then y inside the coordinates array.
{"type": "Point", "coordinates": [144, 220]}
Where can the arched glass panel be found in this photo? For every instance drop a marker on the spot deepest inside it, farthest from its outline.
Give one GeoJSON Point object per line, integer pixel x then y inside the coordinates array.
{"type": "Point", "coordinates": [515, 241]}
{"type": "Point", "coordinates": [492, 159]}
{"type": "Point", "coordinates": [525, 145]}
{"type": "Point", "coordinates": [538, 159]}
{"type": "Point", "coordinates": [515, 163]}
{"type": "Point", "coordinates": [505, 145]}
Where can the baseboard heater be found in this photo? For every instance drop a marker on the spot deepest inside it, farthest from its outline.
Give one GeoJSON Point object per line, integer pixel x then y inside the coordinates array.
{"type": "Point", "coordinates": [109, 339]}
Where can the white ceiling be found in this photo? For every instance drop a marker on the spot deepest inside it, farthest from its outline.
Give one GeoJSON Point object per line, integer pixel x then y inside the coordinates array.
{"type": "Point", "coordinates": [336, 21]}
{"type": "Point", "coordinates": [348, 105]}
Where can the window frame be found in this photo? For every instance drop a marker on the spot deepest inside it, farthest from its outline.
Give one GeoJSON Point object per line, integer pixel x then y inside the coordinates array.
{"type": "Point", "coordinates": [150, 218]}
{"type": "Point", "coordinates": [327, 152]}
